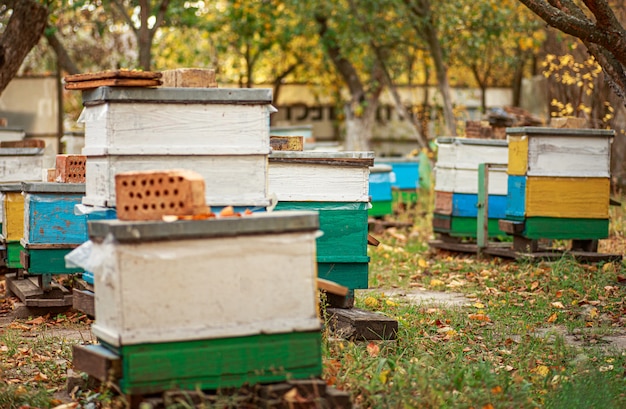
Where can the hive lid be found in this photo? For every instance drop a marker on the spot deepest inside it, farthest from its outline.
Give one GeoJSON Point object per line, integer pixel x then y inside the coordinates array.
{"type": "Point", "coordinates": [284, 221]}
{"type": "Point", "coordinates": [472, 141]}
{"type": "Point", "coordinates": [546, 131]}
{"type": "Point", "coordinates": [10, 187]}
{"type": "Point", "coordinates": [21, 151]}
{"type": "Point", "coordinates": [380, 168]}
{"type": "Point", "coordinates": [394, 160]}
{"type": "Point", "coordinates": [243, 96]}
{"type": "Point", "coordinates": [365, 158]}
{"type": "Point", "coordinates": [51, 187]}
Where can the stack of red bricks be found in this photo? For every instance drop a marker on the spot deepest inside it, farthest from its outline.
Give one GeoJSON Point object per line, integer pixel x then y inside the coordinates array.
{"type": "Point", "coordinates": [154, 195]}
{"type": "Point", "coordinates": [68, 169]}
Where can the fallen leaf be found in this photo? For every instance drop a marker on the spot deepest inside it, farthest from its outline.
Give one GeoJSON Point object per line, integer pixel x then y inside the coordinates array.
{"type": "Point", "coordinates": [479, 305]}
{"type": "Point", "coordinates": [371, 302]}
{"type": "Point", "coordinates": [480, 317]}
{"type": "Point", "coordinates": [422, 263]}
{"type": "Point", "coordinates": [435, 282]}
{"type": "Point", "coordinates": [488, 406]}
{"type": "Point", "coordinates": [496, 389]}
{"type": "Point", "coordinates": [534, 285]}
{"type": "Point", "coordinates": [384, 376]}
{"type": "Point", "coordinates": [552, 317]}
{"type": "Point", "coordinates": [372, 349]}
{"type": "Point", "coordinates": [558, 304]}
{"type": "Point", "coordinates": [541, 370]}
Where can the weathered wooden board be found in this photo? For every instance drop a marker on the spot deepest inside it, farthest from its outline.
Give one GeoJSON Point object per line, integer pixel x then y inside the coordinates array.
{"type": "Point", "coordinates": [84, 301]}
{"type": "Point", "coordinates": [560, 152]}
{"type": "Point", "coordinates": [287, 143]}
{"type": "Point", "coordinates": [49, 216]}
{"type": "Point", "coordinates": [232, 281]}
{"type": "Point", "coordinates": [443, 202]}
{"type": "Point", "coordinates": [360, 325]}
{"type": "Point", "coordinates": [320, 176]}
{"type": "Point", "coordinates": [20, 164]}
{"type": "Point", "coordinates": [464, 153]}
{"type": "Point", "coordinates": [466, 205]}
{"type": "Point", "coordinates": [189, 78]}
{"type": "Point", "coordinates": [155, 128]}
{"type": "Point", "coordinates": [112, 82]}
{"type": "Point", "coordinates": [442, 223]}
{"type": "Point", "coordinates": [239, 180]}
{"type": "Point", "coordinates": [97, 361]}
{"type": "Point", "coordinates": [567, 197]}
{"type": "Point", "coordinates": [220, 363]}
{"type": "Point", "coordinates": [466, 180]}
{"type": "Point", "coordinates": [122, 73]}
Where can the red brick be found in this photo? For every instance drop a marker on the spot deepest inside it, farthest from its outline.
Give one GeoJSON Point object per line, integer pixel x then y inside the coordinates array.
{"type": "Point", "coordinates": [150, 195]}
{"type": "Point", "coordinates": [70, 169]}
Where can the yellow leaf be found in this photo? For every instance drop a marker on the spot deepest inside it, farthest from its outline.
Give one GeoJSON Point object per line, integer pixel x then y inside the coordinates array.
{"type": "Point", "coordinates": [435, 282]}
{"type": "Point", "coordinates": [371, 302]}
{"type": "Point", "coordinates": [558, 304]}
{"type": "Point", "coordinates": [391, 303]}
{"type": "Point", "coordinates": [593, 313]}
{"type": "Point", "coordinates": [384, 376]}
{"type": "Point", "coordinates": [552, 317]}
{"type": "Point", "coordinates": [422, 263]}
{"type": "Point", "coordinates": [479, 305]}
{"type": "Point", "coordinates": [541, 370]}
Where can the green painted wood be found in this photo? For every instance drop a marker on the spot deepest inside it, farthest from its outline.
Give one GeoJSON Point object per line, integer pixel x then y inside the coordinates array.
{"type": "Point", "coordinates": [466, 227]}
{"type": "Point", "coordinates": [351, 275]}
{"type": "Point", "coordinates": [219, 363]}
{"type": "Point", "coordinates": [563, 229]}
{"type": "Point", "coordinates": [381, 208]}
{"type": "Point", "coordinates": [14, 248]}
{"type": "Point", "coordinates": [344, 225]}
{"type": "Point", "coordinates": [406, 197]}
{"type": "Point", "coordinates": [49, 261]}
{"type": "Point", "coordinates": [482, 222]}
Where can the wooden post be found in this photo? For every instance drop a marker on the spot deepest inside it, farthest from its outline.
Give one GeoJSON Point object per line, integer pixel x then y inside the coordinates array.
{"type": "Point", "coordinates": [482, 219]}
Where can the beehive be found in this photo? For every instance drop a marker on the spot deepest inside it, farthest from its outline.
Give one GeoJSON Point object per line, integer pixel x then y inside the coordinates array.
{"type": "Point", "coordinates": [223, 134]}
{"type": "Point", "coordinates": [250, 281]}
{"type": "Point", "coordinates": [335, 184]}
{"type": "Point", "coordinates": [559, 182]}
{"type": "Point", "coordinates": [380, 186]}
{"type": "Point", "coordinates": [21, 164]}
{"type": "Point", "coordinates": [456, 185]}
{"type": "Point", "coordinates": [406, 179]}
{"type": "Point", "coordinates": [51, 227]}
{"type": "Point", "coordinates": [150, 195]}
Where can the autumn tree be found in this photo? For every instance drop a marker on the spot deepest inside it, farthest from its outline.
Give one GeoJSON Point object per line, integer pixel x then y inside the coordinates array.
{"type": "Point", "coordinates": [22, 32]}
{"type": "Point", "coordinates": [597, 26]}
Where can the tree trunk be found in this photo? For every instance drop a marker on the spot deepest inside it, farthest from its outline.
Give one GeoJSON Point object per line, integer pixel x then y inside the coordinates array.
{"type": "Point", "coordinates": [442, 79]}
{"type": "Point", "coordinates": [359, 127]}
{"type": "Point", "coordinates": [21, 34]}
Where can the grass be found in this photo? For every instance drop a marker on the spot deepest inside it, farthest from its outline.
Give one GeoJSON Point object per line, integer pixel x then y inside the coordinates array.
{"type": "Point", "coordinates": [532, 335]}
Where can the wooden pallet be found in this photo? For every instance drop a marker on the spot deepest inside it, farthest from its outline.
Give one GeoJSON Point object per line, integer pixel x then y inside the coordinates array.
{"type": "Point", "coordinates": [361, 325]}
{"type": "Point", "coordinates": [30, 291]}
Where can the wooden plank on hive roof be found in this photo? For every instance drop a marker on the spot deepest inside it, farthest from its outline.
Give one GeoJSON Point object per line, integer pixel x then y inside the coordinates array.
{"type": "Point", "coordinates": [112, 82]}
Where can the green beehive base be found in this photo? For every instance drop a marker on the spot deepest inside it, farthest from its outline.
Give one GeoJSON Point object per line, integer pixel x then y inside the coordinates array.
{"type": "Point", "coordinates": [404, 197]}
{"type": "Point", "coordinates": [49, 261]}
{"type": "Point", "coordinates": [564, 229]}
{"type": "Point", "coordinates": [381, 208]}
{"type": "Point", "coordinates": [219, 363]}
{"type": "Point", "coordinates": [14, 248]}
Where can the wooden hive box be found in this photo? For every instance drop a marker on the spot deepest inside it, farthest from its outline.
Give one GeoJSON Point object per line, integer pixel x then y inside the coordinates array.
{"type": "Point", "coordinates": [208, 303]}
{"type": "Point", "coordinates": [222, 133]}
{"type": "Point", "coordinates": [380, 187]}
{"type": "Point", "coordinates": [456, 185]}
{"type": "Point", "coordinates": [216, 278]}
{"type": "Point", "coordinates": [12, 222]}
{"type": "Point", "coordinates": [559, 182]}
{"type": "Point", "coordinates": [21, 164]}
{"type": "Point", "coordinates": [336, 185]}
{"type": "Point", "coordinates": [51, 226]}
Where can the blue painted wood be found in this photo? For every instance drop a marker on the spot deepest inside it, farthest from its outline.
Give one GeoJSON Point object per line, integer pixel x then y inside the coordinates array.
{"type": "Point", "coordinates": [380, 186]}
{"type": "Point", "coordinates": [516, 198]}
{"type": "Point", "coordinates": [51, 219]}
{"type": "Point", "coordinates": [464, 205]}
{"type": "Point", "coordinates": [406, 172]}
{"type": "Point", "coordinates": [88, 277]}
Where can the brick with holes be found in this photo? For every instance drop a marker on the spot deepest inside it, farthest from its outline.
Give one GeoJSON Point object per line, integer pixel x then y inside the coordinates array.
{"type": "Point", "coordinates": [150, 195]}
{"type": "Point", "coordinates": [70, 169]}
